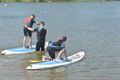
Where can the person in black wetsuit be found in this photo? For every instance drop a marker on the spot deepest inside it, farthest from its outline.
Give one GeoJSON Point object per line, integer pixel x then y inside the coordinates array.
{"type": "Point", "coordinates": [57, 46]}
{"type": "Point", "coordinates": [28, 22]}
{"type": "Point", "coordinates": [41, 35]}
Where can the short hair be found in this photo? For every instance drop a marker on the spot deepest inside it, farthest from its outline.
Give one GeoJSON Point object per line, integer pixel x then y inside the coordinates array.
{"type": "Point", "coordinates": [33, 15]}
{"type": "Point", "coordinates": [42, 22]}
{"type": "Point", "coordinates": [64, 38]}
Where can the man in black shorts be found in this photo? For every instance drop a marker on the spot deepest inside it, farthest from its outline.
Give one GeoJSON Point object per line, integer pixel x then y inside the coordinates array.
{"type": "Point", "coordinates": [28, 22]}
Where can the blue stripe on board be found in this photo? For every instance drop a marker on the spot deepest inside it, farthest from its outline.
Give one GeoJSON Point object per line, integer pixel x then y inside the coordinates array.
{"type": "Point", "coordinates": [51, 62]}
{"type": "Point", "coordinates": [21, 50]}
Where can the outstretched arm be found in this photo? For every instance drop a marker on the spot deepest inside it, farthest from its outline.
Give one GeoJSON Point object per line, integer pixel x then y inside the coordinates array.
{"type": "Point", "coordinates": [31, 29]}
{"type": "Point", "coordinates": [37, 23]}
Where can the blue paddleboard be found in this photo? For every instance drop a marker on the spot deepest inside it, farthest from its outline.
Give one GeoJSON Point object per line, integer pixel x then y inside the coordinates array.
{"type": "Point", "coordinates": [19, 50]}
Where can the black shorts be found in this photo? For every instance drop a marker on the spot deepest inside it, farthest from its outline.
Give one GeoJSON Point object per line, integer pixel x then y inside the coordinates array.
{"type": "Point", "coordinates": [27, 32]}
{"type": "Point", "coordinates": [52, 51]}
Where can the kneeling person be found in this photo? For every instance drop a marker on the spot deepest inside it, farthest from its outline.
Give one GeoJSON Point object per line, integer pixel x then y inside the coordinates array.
{"type": "Point", "coordinates": [58, 46]}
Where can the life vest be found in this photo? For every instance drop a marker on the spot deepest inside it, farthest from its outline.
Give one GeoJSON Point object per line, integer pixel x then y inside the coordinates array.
{"type": "Point", "coordinates": [27, 20]}
{"type": "Point", "coordinates": [58, 43]}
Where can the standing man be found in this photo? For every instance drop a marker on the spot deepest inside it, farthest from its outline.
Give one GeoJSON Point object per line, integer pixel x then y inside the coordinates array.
{"type": "Point", "coordinates": [41, 35]}
{"type": "Point", "coordinates": [28, 22]}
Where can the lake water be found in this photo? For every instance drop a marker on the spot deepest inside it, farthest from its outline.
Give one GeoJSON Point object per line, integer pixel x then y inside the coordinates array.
{"type": "Point", "coordinates": [93, 27]}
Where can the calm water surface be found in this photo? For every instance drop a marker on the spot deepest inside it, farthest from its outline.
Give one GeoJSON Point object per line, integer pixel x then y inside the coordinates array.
{"type": "Point", "coordinates": [92, 27]}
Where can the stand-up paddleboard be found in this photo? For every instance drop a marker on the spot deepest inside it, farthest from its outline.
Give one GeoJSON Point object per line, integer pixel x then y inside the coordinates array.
{"type": "Point", "coordinates": [52, 64]}
{"type": "Point", "coordinates": [20, 50]}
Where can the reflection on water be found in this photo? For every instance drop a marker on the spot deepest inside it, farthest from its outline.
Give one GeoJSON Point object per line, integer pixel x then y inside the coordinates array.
{"type": "Point", "coordinates": [57, 74]}
{"type": "Point", "coordinates": [49, 74]}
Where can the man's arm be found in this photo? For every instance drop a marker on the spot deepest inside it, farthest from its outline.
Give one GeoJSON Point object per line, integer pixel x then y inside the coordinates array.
{"type": "Point", "coordinates": [25, 26]}
{"type": "Point", "coordinates": [31, 29]}
{"type": "Point", "coordinates": [35, 22]}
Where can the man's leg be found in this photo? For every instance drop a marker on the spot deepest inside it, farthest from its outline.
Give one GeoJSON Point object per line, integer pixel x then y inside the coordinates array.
{"type": "Point", "coordinates": [51, 53]}
{"type": "Point", "coordinates": [30, 42]}
{"type": "Point", "coordinates": [60, 54]}
{"type": "Point", "coordinates": [43, 46]}
{"type": "Point", "coordinates": [25, 42]}
{"type": "Point", "coordinates": [37, 46]}
{"type": "Point", "coordinates": [38, 53]}
{"type": "Point", "coordinates": [30, 39]}
{"type": "Point", "coordinates": [25, 38]}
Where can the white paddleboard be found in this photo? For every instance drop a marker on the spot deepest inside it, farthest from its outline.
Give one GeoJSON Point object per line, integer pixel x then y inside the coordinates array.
{"type": "Point", "coordinates": [19, 50]}
{"type": "Point", "coordinates": [52, 64]}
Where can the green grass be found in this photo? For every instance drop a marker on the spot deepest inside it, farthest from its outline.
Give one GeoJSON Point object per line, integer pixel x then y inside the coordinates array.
{"type": "Point", "coordinates": [26, 0]}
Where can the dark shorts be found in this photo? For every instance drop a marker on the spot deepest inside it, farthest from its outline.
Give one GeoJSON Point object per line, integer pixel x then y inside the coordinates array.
{"type": "Point", "coordinates": [27, 32]}
{"type": "Point", "coordinates": [52, 51]}
{"type": "Point", "coordinates": [40, 46]}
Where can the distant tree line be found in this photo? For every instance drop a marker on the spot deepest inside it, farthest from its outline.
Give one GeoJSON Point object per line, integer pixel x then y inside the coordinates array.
{"type": "Point", "coordinates": [50, 0]}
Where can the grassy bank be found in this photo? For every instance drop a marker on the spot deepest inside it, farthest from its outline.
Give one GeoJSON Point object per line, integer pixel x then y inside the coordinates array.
{"type": "Point", "coordinates": [52, 0]}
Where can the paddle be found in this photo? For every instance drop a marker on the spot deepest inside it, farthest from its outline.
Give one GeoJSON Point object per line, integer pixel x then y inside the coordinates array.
{"type": "Point", "coordinates": [35, 61]}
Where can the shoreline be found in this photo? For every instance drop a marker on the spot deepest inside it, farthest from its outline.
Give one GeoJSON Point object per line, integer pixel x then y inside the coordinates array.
{"type": "Point", "coordinates": [51, 1]}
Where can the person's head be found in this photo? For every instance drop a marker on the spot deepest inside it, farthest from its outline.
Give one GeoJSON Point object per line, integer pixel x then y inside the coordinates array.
{"type": "Point", "coordinates": [32, 16]}
{"type": "Point", "coordinates": [41, 23]}
{"type": "Point", "coordinates": [63, 39]}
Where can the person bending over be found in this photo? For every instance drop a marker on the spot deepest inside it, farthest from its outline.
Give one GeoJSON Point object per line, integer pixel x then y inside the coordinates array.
{"type": "Point", "coordinates": [57, 47]}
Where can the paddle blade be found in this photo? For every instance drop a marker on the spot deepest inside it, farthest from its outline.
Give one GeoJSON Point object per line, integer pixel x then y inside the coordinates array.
{"type": "Point", "coordinates": [34, 61]}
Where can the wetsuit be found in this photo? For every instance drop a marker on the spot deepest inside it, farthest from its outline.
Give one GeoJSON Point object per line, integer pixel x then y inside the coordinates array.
{"type": "Point", "coordinates": [55, 46]}
{"type": "Point", "coordinates": [29, 22]}
{"type": "Point", "coordinates": [41, 34]}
